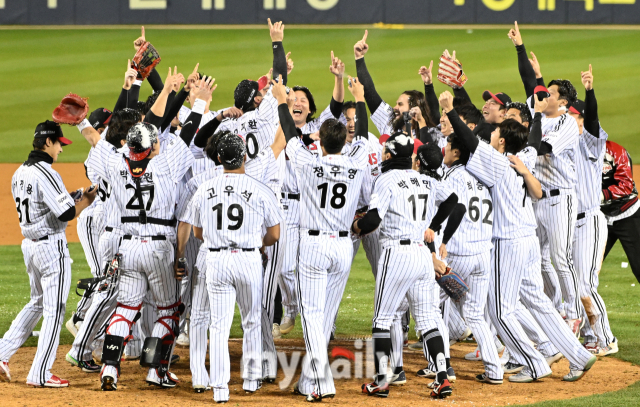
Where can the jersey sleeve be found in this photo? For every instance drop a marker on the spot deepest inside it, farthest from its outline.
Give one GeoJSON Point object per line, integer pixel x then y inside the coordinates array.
{"type": "Point", "coordinates": [360, 151]}
{"type": "Point", "coordinates": [381, 196]}
{"type": "Point", "coordinates": [528, 157]}
{"type": "Point", "coordinates": [263, 167]}
{"type": "Point", "coordinates": [272, 213]}
{"type": "Point", "coordinates": [193, 215]}
{"type": "Point", "coordinates": [298, 154]}
{"type": "Point", "coordinates": [54, 193]}
{"type": "Point", "coordinates": [381, 118]}
{"type": "Point", "coordinates": [99, 157]}
{"type": "Point", "coordinates": [179, 158]}
{"type": "Point", "coordinates": [595, 145]}
{"type": "Point", "coordinates": [186, 191]}
{"type": "Point", "coordinates": [443, 191]}
{"type": "Point", "coordinates": [487, 164]}
{"type": "Point", "coordinates": [183, 113]}
{"type": "Point", "coordinates": [268, 109]}
{"type": "Point", "coordinates": [563, 136]}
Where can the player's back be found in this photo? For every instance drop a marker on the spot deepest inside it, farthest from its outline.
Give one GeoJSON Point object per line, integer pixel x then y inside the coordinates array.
{"type": "Point", "coordinates": [403, 199]}
{"type": "Point", "coordinates": [473, 236]}
{"type": "Point", "coordinates": [329, 188]}
{"type": "Point", "coordinates": [232, 209]}
{"type": "Point", "coordinates": [40, 197]}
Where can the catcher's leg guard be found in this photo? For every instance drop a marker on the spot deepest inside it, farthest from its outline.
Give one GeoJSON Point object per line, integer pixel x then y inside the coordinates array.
{"type": "Point", "coordinates": [112, 350]}
{"type": "Point", "coordinates": [171, 323]}
{"type": "Point", "coordinates": [151, 352]}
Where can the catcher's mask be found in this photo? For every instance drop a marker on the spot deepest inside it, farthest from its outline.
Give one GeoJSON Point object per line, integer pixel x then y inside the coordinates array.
{"type": "Point", "coordinates": [140, 140]}
{"type": "Point", "coordinates": [51, 130]}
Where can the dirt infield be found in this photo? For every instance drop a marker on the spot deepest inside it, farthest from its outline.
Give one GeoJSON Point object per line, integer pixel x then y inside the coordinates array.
{"type": "Point", "coordinates": [134, 391]}
{"type": "Point", "coordinates": [74, 177]}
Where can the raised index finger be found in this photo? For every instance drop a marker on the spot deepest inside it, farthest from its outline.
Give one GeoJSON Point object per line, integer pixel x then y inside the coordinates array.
{"type": "Point", "coordinates": [195, 70]}
{"type": "Point", "coordinates": [364, 37]}
{"type": "Point", "coordinates": [332, 57]}
{"type": "Point", "coordinates": [142, 32]}
{"type": "Point", "coordinates": [270, 25]}
{"type": "Point", "coordinates": [590, 69]}
{"type": "Point", "coordinates": [517, 29]}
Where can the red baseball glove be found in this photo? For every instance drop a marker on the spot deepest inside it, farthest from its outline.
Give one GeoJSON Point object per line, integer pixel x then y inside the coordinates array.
{"type": "Point", "coordinates": [145, 59]}
{"type": "Point", "coordinates": [450, 71]}
{"type": "Point", "coordinates": [71, 110]}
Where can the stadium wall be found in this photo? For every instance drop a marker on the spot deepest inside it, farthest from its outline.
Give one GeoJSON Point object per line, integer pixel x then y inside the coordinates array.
{"type": "Point", "coordinates": [84, 12]}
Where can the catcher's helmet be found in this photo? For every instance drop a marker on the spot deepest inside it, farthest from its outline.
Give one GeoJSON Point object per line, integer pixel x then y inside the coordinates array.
{"type": "Point", "coordinates": [140, 139]}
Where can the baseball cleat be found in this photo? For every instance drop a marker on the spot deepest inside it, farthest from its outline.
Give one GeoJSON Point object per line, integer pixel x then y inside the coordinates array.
{"type": "Point", "coordinates": [426, 373]}
{"type": "Point", "coordinates": [417, 346]}
{"type": "Point", "coordinates": [475, 355]}
{"type": "Point", "coordinates": [88, 366]}
{"type": "Point", "coordinates": [5, 374]}
{"type": "Point", "coordinates": [451, 375]}
{"type": "Point", "coordinates": [441, 390]}
{"type": "Point", "coordinates": [183, 340]}
{"type": "Point", "coordinates": [315, 397]}
{"type": "Point", "coordinates": [108, 384]}
{"type": "Point", "coordinates": [54, 381]}
{"type": "Point", "coordinates": [296, 390]}
{"type": "Point", "coordinates": [175, 359]}
{"type": "Point", "coordinates": [287, 324]}
{"type": "Point", "coordinates": [375, 389]}
{"type": "Point", "coordinates": [268, 379]}
{"type": "Point", "coordinates": [398, 379]}
{"type": "Point", "coordinates": [483, 378]}
{"type": "Point", "coordinates": [554, 358]}
{"type": "Point", "coordinates": [467, 333]}
{"type": "Point", "coordinates": [169, 380]}
{"type": "Point", "coordinates": [521, 377]}
{"type": "Point", "coordinates": [575, 374]}
{"type": "Point", "coordinates": [594, 349]}
{"type": "Point", "coordinates": [275, 331]}
{"type": "Point", "coordinates": [611, 348]}
{"type": "Point", "coordinates": [405, 339]}
{"type": "Point", "coordinates": [511, 368]}
{"type": "Point", "coordinates": [200, 388]}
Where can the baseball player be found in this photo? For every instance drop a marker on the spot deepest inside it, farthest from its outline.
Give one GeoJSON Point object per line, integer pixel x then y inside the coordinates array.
{"type": "Point", "coordinates": [44, 207]}
{"type": "Point", "coordinates": [469, 252]}
{"type": "Point", "coordinates": [515, 247]}
{"type": "Point", "coordinates": [137, 183]}
{"type": "Point", "coordinates": [302, 111]}
{"type": "Point", "coordinates": [329, 188]}
{"type": "Point", "coordinates": [591, 235]}
{"type": "Point", "coordinates": [399, 204]}
{"type": "Point", "coordinates": [228, 213]}
{"type": "Point", "coordinates": [556, 211]}
{"type": "Point", "coordinates": [89, 231]}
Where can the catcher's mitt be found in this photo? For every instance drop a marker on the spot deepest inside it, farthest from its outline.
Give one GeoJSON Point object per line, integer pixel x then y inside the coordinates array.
{"type": "Point", "coordinates": [71, 110]}
{"type": "Point", "coordinates": [453, 285]}
{"type": "Point", "coordinates": [145, 59]}
{"type": "Point", "coordinates": [450, 71]}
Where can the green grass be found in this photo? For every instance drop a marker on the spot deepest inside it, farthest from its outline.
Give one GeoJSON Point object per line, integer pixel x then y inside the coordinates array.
{"type": "Point", "coordinates": [40, 66]}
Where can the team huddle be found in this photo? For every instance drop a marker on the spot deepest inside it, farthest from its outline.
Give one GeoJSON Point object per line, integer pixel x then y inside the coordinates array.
{"type": "Point", "coordinates": [265, 204]}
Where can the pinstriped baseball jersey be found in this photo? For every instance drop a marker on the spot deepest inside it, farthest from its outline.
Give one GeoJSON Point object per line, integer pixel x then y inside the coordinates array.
{"type": "Point", "coordinates": [329, 185]}
{"type": "Point", "coordinates": [258, 127]}
{"type": "Point", "coordinates": [513, 214]}
{"type": "Point", "coordinates": [206, 118]}
{"type": "Point", "coordinates": [232, 209]}
{"type": "Point", "coordinates": [473, 236]}
{"type": "Point", "coordinates": [382, 118]}
{"type": "Point", "coordinates": [372, 171]}
{"type": "Point", "coordinates": [557, 170]}
{"type": "Point", "coordinates": [40, 197]}
{"type": "Point", "coordinates": [314, 125]}
{"type": "Point", "coordinates": [589, 165]}
{"type": "Point", "coordinates": [403, 199]}
{"type": "Point", "coordinates": [158, 184]}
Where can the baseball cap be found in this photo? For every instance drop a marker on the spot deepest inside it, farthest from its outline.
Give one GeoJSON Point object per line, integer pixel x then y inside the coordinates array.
{"type": "Point", "coordinates": [52, 130]}
{"type": "Point", "coordinates": [484, 130]}
{"type": "Point", "coordinates": [541, 92]}
{"type": "Point", "coordinates": [501, 98]}
{"type": "Point", "coordinates": [140, 140]}
{"type": "Point", "coordinates": [416, 145]}
{"type": "Point", "coordinates": [430, 156]}
{"type": "Point", "coordinates": [247, 90]}
{"type": "Point", "coordinates": [398, 144]}
{"type": "Point", "coordinates": [577, 107]}
{"type": "Point", "coordinates": [100, 118]}
{"type": "Point", "coordinates": [231, 150]}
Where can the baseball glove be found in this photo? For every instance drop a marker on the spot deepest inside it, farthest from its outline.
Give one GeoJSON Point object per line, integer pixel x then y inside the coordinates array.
{"type": "Point", "coordinates": [450, 71]}
{"type": "Point", "coordinates": [145, 60]}
{"type": "Point", "coordinates": [453, 285]}
{"type": "Point", "coordinates": [71, 110]}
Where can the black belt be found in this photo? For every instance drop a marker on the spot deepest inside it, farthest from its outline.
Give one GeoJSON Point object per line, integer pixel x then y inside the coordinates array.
{"type": "Point", "coordinates": [295, 197]}
{"type": "Point", "coordinates": [157, 237]}
{"type": "Point", "coordinates": [40, 239]}
{"type": "Point", "coordinates": [581, 216]}
{"type": "Point", "coordinates": [153, 221]}
{"type": "Point", "coordinates": [109, 229]}
{"type": "Point", "coordinates": [553, 192]}
{"type": "Point", "coordinates": [405, 242]}
{"type": "Point", "coordinates": [342, 233]}
{"type": "Point", "coordinates": [217, 249]}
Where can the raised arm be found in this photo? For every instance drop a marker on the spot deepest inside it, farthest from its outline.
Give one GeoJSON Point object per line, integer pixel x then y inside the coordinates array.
{"type": "Point", "coordinates": [362, 120]}
{"type": "Point", "coordinates": [279, 59]}
{"type": "Point", "coordinates": [459, 128]}
{"type": "Point", "coordinates": [286, 121]}
{"type": "Point", "coordinates": [429, 92]}
{"type": "Point", "coordinates": [155, 115]}
{"type": "Point", "coordinates": [527, 73]}
{"type": "Point", "coordinates": [371, 95]}
{"type": "Point", "coordinates": [591, 121]}
{"type": "Point", "coordinates": [178, 100]}
{"type": "Point", "coordinates": [203, 94]}
{"type": "Point", "coordinates": [337, 68]}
